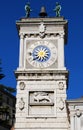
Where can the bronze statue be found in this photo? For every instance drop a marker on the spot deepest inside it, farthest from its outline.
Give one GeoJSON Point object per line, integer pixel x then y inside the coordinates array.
{"type": "Point", "coordinates": [28, 9]}
{"type": "Point", "coordinates": [57, 9]}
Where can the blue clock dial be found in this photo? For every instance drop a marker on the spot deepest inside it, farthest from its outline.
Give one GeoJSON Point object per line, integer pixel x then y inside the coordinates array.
{"type": "Point", "coordinates": [41, 53]}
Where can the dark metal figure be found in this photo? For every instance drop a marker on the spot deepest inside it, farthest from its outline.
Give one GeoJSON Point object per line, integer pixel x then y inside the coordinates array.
{"type": "Point", "coordinates": [28, 9]}
{"type": "Point", "coordinates": [57, 9]}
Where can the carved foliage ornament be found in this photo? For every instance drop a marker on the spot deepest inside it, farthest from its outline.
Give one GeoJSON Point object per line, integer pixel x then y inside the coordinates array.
{"type": "Point", "coordinates": [62, 34]}
{"type": "Point", "coordinates": [42, 29]}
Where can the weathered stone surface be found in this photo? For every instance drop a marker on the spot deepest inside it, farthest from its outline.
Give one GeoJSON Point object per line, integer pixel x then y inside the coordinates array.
{"type": "Point", "coordinates": [41, 92]}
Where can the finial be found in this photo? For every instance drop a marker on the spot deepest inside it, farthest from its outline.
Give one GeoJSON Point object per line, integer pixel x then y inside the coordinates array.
{"type": "Point", "coordinates": [57, 9]}
{"type": "Point", "coordinates": [43, 13]}
{"type": "Point", "coordinates": [28, 9]}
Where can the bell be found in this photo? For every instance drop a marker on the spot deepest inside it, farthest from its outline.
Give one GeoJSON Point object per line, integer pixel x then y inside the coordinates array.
{"type": "Point", "coordinates": [43, 13]}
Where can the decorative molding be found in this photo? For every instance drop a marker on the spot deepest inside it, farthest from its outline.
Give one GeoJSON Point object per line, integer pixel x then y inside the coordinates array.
{"type": "Point", "coordinates": [42, 33]}
{"type": "Point", "coordinates": [21, 35]}
{"type": "Point", "coordinates": [61, 34]}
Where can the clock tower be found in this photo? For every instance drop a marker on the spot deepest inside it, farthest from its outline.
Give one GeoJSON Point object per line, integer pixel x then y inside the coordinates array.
{"type": "Point", "coordinates": [41, 75]}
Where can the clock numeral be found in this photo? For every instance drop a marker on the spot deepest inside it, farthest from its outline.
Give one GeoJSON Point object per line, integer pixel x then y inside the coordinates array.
{"type": "Point", "coordinates": [52, 59]}
{"type": "Point", "coordinates": [49, 63]}
{"type": "Point", "coordinates": [30, 48]}
{"type": "Point", "coordinates": [54, 53]}
{"type": "Point", "coordinates": [41, 65]}
{"type": "Point", "coordinates": [34, 63]}
{"type": "Point", "coordinates": [35, 44]}
{"type": "Point", "coordinates": [30, 59]}
{"type": "Point", "coordinates": [52, 48]}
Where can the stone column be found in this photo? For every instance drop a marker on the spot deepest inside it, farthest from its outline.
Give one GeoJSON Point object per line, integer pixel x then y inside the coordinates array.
{"type": "Point", "coordinates": [72, 121]}
{"type": "Point", "coordinates": [21, 51]}
{"type": "Point", "coordinates": [81, 121]}
{"type": "Point", "coordinates": [61, 51]}
{"type": "Point", "coordinates": [78, 122]}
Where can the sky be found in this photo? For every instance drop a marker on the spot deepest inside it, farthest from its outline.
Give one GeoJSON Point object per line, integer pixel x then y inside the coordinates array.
{"type": "Point", "coordinates": [13, 10]}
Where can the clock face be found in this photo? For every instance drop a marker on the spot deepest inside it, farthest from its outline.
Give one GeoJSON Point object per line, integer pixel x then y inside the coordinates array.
{"type": "Point", "coordinates": [41, 54]}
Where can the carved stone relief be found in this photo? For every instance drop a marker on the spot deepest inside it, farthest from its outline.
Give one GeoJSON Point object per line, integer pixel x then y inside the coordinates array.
{"type": "Point", "coordinates": [42, 29]}
{"type": "Point", "coordinates": [21, 104]}
{"type": "Point", "coordinates": [41, 103]}
{"type": "Point", "coordinates": [41, 96]}
{"type": "Point", "coordinates": [22, 85]}
{"type": "Point", "coordinates": [61, 85]}
{"type": "Point", "coordinates": [78, 113]}
{"type": "Point", "coordinates": [61, 104]}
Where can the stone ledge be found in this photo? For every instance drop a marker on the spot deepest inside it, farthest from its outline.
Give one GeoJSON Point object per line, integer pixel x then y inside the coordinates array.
{"type": "Point", "coordinates": [41, 104]}
{"type": "Point", "coordinates": [36, 71]}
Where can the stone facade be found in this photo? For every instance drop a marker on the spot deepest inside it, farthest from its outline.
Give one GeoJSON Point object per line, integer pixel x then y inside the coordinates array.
{"type": "Point", "coordinates": [76, 114]}
{"type": "Point", "coordinates": [41, 86]}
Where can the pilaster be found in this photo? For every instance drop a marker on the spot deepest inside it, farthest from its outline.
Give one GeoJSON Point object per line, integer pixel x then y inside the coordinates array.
{"type": "Point", "coordinates": [21, 51]}
{"type": "Point", "coordinates": [61, 58]}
